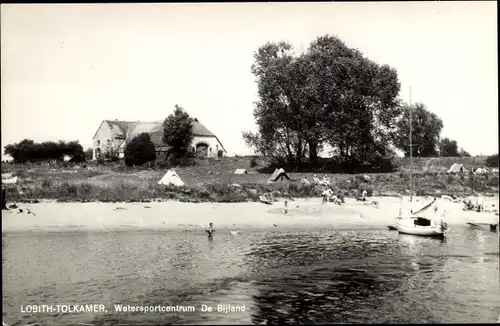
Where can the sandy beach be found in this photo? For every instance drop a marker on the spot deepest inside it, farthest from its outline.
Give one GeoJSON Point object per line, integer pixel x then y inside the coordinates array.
{"type": "Point", "coordinates": [302, 213]}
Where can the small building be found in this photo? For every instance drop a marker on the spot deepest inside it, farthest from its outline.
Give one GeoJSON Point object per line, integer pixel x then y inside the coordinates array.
{"type": "Point", "coordinates": [112, 136]}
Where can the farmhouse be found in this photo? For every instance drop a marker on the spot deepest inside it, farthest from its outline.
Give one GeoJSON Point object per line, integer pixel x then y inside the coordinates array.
{"type": "Point", "coordinates": [112, 136]}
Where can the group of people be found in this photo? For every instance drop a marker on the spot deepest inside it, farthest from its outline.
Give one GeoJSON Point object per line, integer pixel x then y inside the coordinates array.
{"type": "Point", "coordinates": [328, 196]}
{"type": "Point", "coordinates": [210, 231]}
{"type": "Point", "coordinates": [470, 206]}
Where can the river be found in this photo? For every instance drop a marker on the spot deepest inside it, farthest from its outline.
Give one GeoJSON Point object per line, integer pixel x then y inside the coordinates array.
{"type": "Point", "coordinates": [271, 276]}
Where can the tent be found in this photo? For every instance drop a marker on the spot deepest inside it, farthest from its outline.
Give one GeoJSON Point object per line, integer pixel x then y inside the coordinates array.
{"type": "Point", "coordinates": [240, 171]}
{"type": "Point", "coordinates": [457, 168]}
{"type": "Point", "coordinates": [171, 178]}
{"type": "Point", "coordinates": [279, 174]}
{"type": "Point", "coordinates": [9, 181]}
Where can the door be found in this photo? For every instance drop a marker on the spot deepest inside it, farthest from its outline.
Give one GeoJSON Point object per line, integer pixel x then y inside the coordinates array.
{"type": "Point", "coordinates": [201, 150]}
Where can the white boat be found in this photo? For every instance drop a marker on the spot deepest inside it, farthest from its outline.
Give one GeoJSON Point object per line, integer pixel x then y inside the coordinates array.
{"type": "Point", "coordinates": [421, 226]}
{"type": "Point", "coordinates": [415, 223]}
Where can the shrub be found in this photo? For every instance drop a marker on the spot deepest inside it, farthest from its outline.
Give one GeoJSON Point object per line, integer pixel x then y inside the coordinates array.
{"type": "Point", "coordinates": [139, 150]}
{"type": "Point", "coordinates": [253, 162]}
{"type": "Point", "coordinates": [492, 161]}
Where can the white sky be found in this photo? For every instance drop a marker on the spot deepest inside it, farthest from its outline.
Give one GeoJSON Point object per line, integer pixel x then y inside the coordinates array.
{"type": "Point", "coordinates": [65, 68]}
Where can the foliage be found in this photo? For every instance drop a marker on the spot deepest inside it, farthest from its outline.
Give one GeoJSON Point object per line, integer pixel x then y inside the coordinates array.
{"type": "Point", "coordinates": [89, 154]}
{"type": "Point", "coordinates": [177, 132]}
{"type": "Point", "coordinates": [463, 153]}
{"type": "Point", "coordinates": [29, 151]}
{"type": "Point", "coordinates": [139, 150]}
{"type": "Point", "coordinates": [329, 94]}
{"type": "Point", "coordinates": [492, 161]}
{"type": "Point", "coordinates": [253, 162]}
{"type": "Point", "coordinates": [426, 128]}
{"type": "Point", "coordinates": [448, 147]}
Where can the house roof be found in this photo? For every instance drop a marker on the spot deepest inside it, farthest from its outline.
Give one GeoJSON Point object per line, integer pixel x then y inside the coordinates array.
{"type": "Point", "coordinates": [119, 127]}
{"type": "Point", "coordinates": [201, 130]}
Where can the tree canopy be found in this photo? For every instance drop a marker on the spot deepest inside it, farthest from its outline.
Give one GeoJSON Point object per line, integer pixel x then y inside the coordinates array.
{"type": "Point", "coordinates": [330, 94]}
{"type": "Point", "coordinates": [177, 132]}
{"type": "Point", "coordinates": [29, 151]}
{"type": "Point", "coordinates": [448, 147]}
{"type": "Point", "coordinates": [139, 150]}
{"type": "Point", "coordinates": [426, 128]}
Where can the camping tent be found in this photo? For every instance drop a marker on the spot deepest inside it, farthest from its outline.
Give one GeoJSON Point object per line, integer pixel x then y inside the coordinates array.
{"type": "Point", "coordinates": [279, 174]}
{"type": "Point", "coordinates": [457, 168]}
{"type": "Point", "coordinates": [9, 181]}
{"type": "Point", "coordinates": [171, 178]}
{"type": "Point", "coordinates": [240, 171]}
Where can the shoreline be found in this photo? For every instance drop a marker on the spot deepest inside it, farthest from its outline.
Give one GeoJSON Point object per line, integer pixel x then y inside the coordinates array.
{"type": "Point", "coordinates": [309, 213]}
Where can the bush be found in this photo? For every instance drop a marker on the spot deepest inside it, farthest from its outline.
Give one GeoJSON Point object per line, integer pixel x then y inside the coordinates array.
{"type": "Point", "coordinates": [492, 161]}
{"type": "Point", "coordinates": [253, 162]}
{"type": "Point", "coordinates": [139, 150]}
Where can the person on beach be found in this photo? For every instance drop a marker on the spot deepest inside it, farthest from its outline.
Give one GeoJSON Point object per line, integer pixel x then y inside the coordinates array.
{"type": "Point", "coordinates": [210, 230]}
{"type": "Point", "coordinates": [286, 206]}
{"type": "Point", "coordinates": [363, 195]}
{"type": "Point", "coordinates": [479, 203]}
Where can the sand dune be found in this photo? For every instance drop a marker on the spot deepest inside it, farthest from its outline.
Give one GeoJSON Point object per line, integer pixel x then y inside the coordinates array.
{"type": "Point", "coordinates": [301, 213]}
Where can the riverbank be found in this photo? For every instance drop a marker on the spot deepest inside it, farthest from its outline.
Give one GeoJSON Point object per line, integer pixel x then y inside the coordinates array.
{"type": "Point", "coordinates": [190, 217]}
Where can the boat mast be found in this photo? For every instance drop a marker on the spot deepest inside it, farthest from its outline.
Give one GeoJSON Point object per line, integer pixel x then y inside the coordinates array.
{"type": "Point", "coordinates": [411, 157]}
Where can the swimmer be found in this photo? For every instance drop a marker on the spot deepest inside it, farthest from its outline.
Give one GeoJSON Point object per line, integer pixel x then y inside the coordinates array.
{"type": "Point", "coordinates": [210, 230]}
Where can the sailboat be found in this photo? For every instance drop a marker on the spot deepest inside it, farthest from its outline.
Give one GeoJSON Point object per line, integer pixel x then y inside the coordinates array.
{"type": "Point", "coordinates": [416, 223]}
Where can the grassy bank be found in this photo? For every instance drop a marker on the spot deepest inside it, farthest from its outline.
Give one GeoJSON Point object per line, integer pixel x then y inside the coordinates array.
{"type": "Point", "coordinates": [214, 181]}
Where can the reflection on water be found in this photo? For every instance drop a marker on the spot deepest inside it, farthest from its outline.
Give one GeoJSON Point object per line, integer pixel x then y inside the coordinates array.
{"type": "Point", "coordinates": [313, 276]}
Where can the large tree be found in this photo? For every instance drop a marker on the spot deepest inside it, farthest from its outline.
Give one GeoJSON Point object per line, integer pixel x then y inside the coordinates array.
{"type": "Point", "coordinates": [426, 128]}
{"type": "Point", "coordinates": [139, 150]}
{"type": "Point", "coordinates": [448, 147]}
{"type": "Point", "coordinates": [330, 93]}
{"type": "Point", "coordinates": [177, 131]}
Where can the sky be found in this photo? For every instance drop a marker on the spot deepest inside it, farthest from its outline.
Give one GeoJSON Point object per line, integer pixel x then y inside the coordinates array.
{"type": "Point", "coordinates": [67, 67]}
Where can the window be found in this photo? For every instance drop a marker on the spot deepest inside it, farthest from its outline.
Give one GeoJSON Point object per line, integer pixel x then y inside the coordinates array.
{"type": "Point", "coordinates": [98, 143]}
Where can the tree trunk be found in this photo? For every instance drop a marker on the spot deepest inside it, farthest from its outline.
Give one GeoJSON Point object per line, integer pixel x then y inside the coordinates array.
{"type": "Point", "coordinates": [313, 152]}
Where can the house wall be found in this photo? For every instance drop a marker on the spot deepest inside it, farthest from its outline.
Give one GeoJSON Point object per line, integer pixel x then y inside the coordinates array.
{"type": "Point", "coordinates": [104, 133]}
{"type": "Point", "coordinates": [212, 142]}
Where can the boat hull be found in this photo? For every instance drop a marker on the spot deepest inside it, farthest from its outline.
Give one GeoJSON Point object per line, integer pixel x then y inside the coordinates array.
{"type": "Point", "coordinates": [407, 226]}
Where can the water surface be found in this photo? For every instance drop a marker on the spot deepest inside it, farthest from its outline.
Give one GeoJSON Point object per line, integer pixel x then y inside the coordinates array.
{"type": "Point", "coordinates": [280, 276]}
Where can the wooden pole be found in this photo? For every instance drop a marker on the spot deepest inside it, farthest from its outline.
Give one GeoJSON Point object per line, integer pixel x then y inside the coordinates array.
{"type": "Point", "coordinates": [411, 156]}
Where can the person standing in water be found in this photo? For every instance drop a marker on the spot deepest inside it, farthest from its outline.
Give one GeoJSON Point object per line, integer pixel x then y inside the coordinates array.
{"type": "Point", "coordinates": [210, 230]}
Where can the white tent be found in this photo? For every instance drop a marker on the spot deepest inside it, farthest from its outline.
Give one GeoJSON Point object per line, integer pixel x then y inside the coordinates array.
{"type": "Point", "coordinates": [9, 181]}
{"type": "Point", "coordinates": [240, 171]}
{"type": "Point", "coordinates": [278, 174]}
{"type": "Point", "coordinates": [171, 178]}
{"type": "Point", "coordinates": [6, 176]}
{"type": "Point", "coordinates": [457, 168]}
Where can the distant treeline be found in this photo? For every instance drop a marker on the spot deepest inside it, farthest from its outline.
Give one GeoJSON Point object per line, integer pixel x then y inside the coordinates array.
{"type": "Point", "coordinates": [29, 151]}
